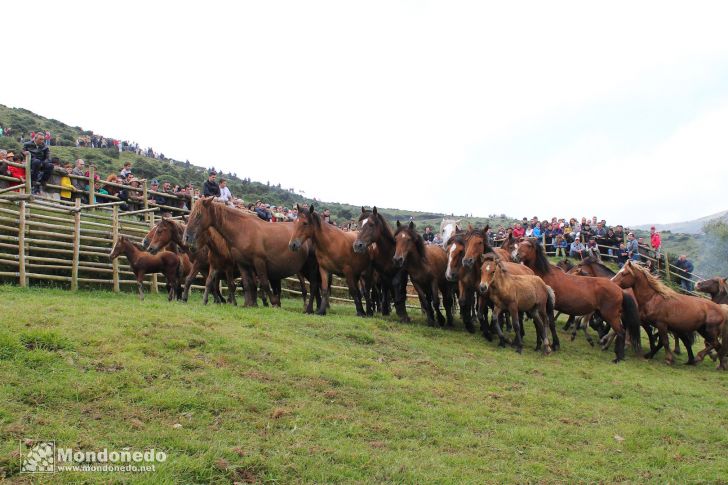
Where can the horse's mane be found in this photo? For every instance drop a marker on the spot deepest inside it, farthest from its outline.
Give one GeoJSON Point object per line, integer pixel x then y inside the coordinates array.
{"type": "Point", "coordinates": [416, 237]}
{"type": "Point", "coordinates": [508, 241]}
{"type": "Point", "coordinates": [541, 263]}
{"type": "Point", "coordinates": [722, 287]}
{"type": "Point", "coordinates": [382, 221]}
{"type": "Point", "coordinates": [654, 282]}
{"type": "Point", "coordinates": [458, 237]}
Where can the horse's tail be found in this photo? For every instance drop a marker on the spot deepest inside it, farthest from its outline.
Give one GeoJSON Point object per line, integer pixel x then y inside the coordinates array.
{"type": "Point", "coordinates": [550, 303]}
{"type": "Point", "coordinates": [631, 321]}
{"type": "Point", "coordinates": [723, 351]}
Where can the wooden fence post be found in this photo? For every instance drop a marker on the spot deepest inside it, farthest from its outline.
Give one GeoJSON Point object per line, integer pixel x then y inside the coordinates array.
{"type": "Point", "coordinates": [91, 183]}
{"type": "Point", "coordinates": [145, 196]}
{"type": "Point", "coordinates": [28, 175]}
{"type": "Point", "coordinates": [155, 288]}
{"type": "Point", "coordinates": [115, 238]}
{"type": "Point", "coordinates": [76, 244]}
{"type": "Point", "coordinates": [21, 245]}
{"type": "Point", "coordinates": [667, 267]}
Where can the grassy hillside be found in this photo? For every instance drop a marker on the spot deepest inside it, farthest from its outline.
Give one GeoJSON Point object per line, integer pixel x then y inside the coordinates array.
{"type": "Point", "coordinates": [179, 172]}
{"type": "Point", "coordinates": [256, 395]}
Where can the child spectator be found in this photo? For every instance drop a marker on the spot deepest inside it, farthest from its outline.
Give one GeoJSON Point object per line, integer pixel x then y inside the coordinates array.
{"type": "Point", "coordinates": [67, 191]}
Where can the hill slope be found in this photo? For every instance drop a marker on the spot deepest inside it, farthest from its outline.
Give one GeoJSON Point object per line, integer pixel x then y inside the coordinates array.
{"type": "Point", "coordinates": [175, 171]}
{"type": "Point", "coordinates": [255, 395]}
{"type": "Point", "coordinates": [694, 226]}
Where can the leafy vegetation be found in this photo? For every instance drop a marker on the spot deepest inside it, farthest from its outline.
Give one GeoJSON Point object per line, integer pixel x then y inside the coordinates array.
{"type": "Point", "coordinates": [272, 395]}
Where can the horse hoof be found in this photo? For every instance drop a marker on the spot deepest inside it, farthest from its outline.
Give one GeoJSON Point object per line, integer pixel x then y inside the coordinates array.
{"type": "Point", "coordinates": [616, 360]}
{"type": "Point", "coordinates": [470, 327]}
{"type": "Point", "coordinates": [519, 350]}
{"type": "Point", "coordinates": [591, 342]}
{"type": "Point", "coordinates": [556, 347]}
{"type": "Point", "coordinates": [573, 337]}
{"type": "Point", "coordinates": [547, 350]}
{"type": "Point", "coordinates": [405, 320]}
{"type": "Point", "coordinates": [669, 361]}
{"type": "Point", "coordinates": [691, 362]}
{"type": "Point", "coordinates": [488, 337]}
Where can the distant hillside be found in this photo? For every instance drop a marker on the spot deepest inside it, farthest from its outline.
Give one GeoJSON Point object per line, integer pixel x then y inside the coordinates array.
{"type": "Point", "coordinates": [687, 227]}
{"type": "Point", "coordinates": [108, 161]}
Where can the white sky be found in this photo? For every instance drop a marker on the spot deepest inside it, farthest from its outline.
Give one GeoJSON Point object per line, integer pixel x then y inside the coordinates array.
{"type": "Point", "coordinates": [614, 109]}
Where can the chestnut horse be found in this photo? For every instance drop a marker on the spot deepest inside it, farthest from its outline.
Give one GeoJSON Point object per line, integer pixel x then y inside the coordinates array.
{"type": "Point", "coordinates": [334, 250]}
{"type": "Point", "coordinates": [426, 266]}
{"type": "Point", "coordinates": [467, 281]}
{"type": "Point", "coordinates": [253, 245]}
{"type": "Point", "coordinates": [143, 263]}
{"type": "Point", "coordinates": [716, 287]}
{"type": "Point", "coordinates": [375, 234]}
{"type": "Point", "coordinates": [210, 258]}
{"type": "Point", "coordinates": [518, 293]}
{"type": "Point", "coordinates": [577, 295]}
{"type": "Point", "coordinates": [668, 310]}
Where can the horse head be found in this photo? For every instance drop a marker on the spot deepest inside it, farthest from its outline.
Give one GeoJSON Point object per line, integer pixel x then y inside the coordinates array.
{"type": "Point", "coordinates": [201, 218]}
{"type": "Point", "coordinates": [407, 241]}
{"type": "Point", "coordinates": [455, 248]}
{"type": "Point", "coordinates": [369, 229]}
{"type": "Point", "coordinates": [304, 227]}
{"type": "Point", "coordinates": [476, 244]}
{"type": "Point", "coordinates": [491, 264]}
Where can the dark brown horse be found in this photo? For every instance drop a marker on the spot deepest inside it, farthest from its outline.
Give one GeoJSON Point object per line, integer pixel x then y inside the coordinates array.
{"type": "Point", "coordinates": [143, 263]}
{"type": "Point", "coordinates": [716, 287]}
{"type": "Point", "coordinates": [334, 250]}
{"type": "Point", "coordinates": [255, 246]}
{"type": "Point", "coordinates": [577, 295]}
{"type": "Point", "coordinates": [668, 310]}
{"type": "Point", "coordinates": [467, 279]}
{"type": "Point", "coordinates": [426, 266]}
{"type": "Point", "coordinates": [376, 236]}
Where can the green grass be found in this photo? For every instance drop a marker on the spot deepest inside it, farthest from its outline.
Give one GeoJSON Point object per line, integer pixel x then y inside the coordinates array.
{"type": "Point", "coordinates": [272, 395]}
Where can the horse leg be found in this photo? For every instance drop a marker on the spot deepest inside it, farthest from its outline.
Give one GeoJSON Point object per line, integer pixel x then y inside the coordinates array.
{"type": "Point", "coordinates": [539, 331]}
{"type": "Point", "coordinates": [171, 275]}
{"type": "Point", "coordinates": [325, 282]}
{"type": "Point", "coordinates": [232, 287]}
{"type": "Point", "coordinates": [466, 312]}
{"type": "Point", "coordinates": [665, 341]}
{"type": "Point", "coordinates": [262, 270]}
{"type": "Point", "coordinates": [482, 315]}
{"type": "Point", "coordinates": [569, 322]}
{"type": "Point", "coordinates": [189, 279]}
{"type": "Point", "coordinates": [315, 293]}
{"type": "Point", "coordinates": [248, 286]}
{"type": "Point", "coordinates": [542, 316]}
{"type": "Point", "coordinates": [436, 303]}
{"type": "Point", "coordinates": [211, 274]}
{"type": "Point", "coordinates": [353, 283]}
{"type": "Point", "coordinates": [688, 347]}
{"type": "Point", "coordinates": [386, 302]}
{"type": "Point", "coordinates": [585, 327]}
{"type": "Point", "coordinates": [709, 343]}
{"type": "Point", "coordinates": [140, 286]}
{"type": "Point", "coordinates": [676, 350]}
{"type": "Point", "coordinates": [517, 323]}
{"type": "Point", "coordinates": [447, 301]}
{"type": "Point", "coordinates": [496, 323]}
{"type": "Point", "coordinates": [425, 304]}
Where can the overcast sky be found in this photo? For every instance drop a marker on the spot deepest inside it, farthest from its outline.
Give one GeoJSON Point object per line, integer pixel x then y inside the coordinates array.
{"type": "Point", "coordinates": [613, 109]}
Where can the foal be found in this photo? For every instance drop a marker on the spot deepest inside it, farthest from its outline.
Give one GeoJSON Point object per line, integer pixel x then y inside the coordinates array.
{"type": "Point", "coordinates": [142, 263]}
{"type": "Point", "coordinates": [518, 293]}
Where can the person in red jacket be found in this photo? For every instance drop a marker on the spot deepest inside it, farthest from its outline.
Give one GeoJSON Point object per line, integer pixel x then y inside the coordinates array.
{"type": "Point", "coordinates": [519, 231]}
{"type": "Point", "coordinates": [655, 240]}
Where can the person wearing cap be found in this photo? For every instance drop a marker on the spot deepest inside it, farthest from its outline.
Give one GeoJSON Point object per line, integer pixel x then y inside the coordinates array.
{"type": "Point", "coordinates": [210, 188]}
{"type": "Point", "coordinates": [576, 250]}
{"type": "Point", "coordinates": [156, 198]}
{"type": "Point", "coordinates": [633, 250]}
{"type": "Point", "coordinates": [41, 167]}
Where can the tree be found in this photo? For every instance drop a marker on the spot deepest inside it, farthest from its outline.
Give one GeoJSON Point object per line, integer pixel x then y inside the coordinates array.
{"type": "Point", "coordinates": [713, 254]}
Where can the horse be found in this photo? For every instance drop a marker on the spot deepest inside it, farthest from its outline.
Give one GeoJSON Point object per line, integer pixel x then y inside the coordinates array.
{"type": "Point", "coordinates": [668, 310]}
{"type": "Point", "coordinates": [448, 227]}
{"type": "Point", "coordinates": [334, 250]}
{"type": "Point", "coordinates": [518, 293]}
{"type": "Point", "coordinates": [426, 265]}
{"type": "Point", "coordinates": [161, 233]}
{"type": "Point", "coordinates": [253, 245]}
{"type": "Point", "coordinates": [376, 235]}
{"type": "Point", "coordinates": [576, 295]}
{"type": "Point", "coordinates": [142, 263]}
{"type": "Point", "coordinates": [716, 287]}
{"type": "Point", "coordinates": [210, 258]}
{"type": "Point", "coordinates": [467, 281]}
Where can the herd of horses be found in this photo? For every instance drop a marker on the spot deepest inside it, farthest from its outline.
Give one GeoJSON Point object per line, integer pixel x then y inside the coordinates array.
{"type": "Point", "coordinates": [497, 286]}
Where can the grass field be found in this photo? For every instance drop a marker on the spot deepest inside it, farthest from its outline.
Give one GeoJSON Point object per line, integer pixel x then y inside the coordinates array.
{"type": "Point", "coordinates": [272, 395]}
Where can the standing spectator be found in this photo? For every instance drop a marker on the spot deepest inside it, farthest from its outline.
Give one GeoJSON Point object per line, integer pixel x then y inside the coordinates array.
{"type": "Point", "coordinates": [48, 138]}
{"type": "Point", "coordinates": [225, 195]}
{"type": "Point", "coordinates": [211, 188]}
{"type": "Point", "coordinates": [428, 236]}
{"type": "Point", "coordinates": [79, 184]}
{"type": "Point", "coordinates": [686, 269]}
{"type": "Point", "coordinates": [633, 250]}
{"type": "Point", "coordinates": [655, 242]}
{"type": "Point", "coordinates": [41, 167]}
{"type": "Point", "coordinates": [577, 249]}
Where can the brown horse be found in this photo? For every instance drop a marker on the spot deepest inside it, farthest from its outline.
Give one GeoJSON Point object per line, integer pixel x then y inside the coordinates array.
{"type": "Point", "coordinates": [143, 263]}
{"type": "Point", "coordinates": [668, 310]}
{"type": "Point", "coordinates": [426, 266]}
{"type": "Point", "coordinates": [255, 246]}
{"type": "Point", "coordinates": [576, 295]}
{"type": "Point", "coordinates": [334, 250]}
{"type": "Point", "coordinates": [518, 293]}
{"type": "Point", "coordinates": [210, 258]}
{"type": "Point", "coordinates": [376, 235]}
{"type": "Point", "coordinates": [716, 287]}
{"type": "Point", "coordinates": [467, 279]}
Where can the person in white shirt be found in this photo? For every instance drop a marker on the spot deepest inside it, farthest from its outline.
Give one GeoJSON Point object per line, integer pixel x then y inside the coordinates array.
{"type": "Point", "coordinates": [225, 195]}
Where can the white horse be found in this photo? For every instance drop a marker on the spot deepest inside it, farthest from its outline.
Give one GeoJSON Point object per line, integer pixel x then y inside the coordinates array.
{"type": "Point", "coordinates": [448, 227]}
